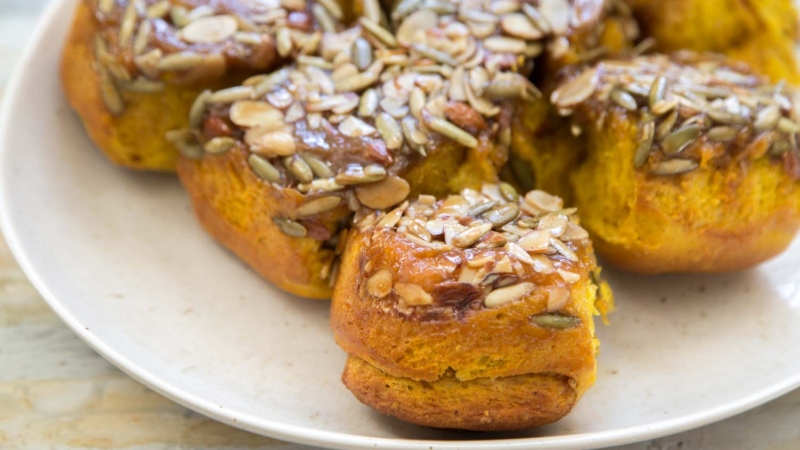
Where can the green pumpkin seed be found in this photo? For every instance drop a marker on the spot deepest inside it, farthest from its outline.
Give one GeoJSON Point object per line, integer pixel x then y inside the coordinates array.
{"type": "Point", "coordinates": [722, 134]}
{"type": "Point", "coordinates": [508, 192]}
{"type": "Point", "coordinates": [657, 91]}
{"type": "Point", "coordinates": [263, 168]}
{"type": "Point", "coordinates": [680, 139]}
{"type": "Point", "coordinates": [645, 144]}
{"type": "Point", "coordinates": [290, 227]}
{"type": "Point", "coordinates": [219, 145]}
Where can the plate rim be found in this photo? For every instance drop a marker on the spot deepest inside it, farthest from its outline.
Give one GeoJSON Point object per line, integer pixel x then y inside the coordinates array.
{"type": "Point", "coordinates": [286, 431]}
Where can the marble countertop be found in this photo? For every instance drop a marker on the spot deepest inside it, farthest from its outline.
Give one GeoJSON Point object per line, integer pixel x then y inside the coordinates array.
{"type": "Point", "coordinates": [56, 393]}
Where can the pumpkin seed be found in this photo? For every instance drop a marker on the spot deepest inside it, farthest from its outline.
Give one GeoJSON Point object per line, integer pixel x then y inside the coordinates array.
{"type": "Point", "coordinates": [645, 144]}
{"type": "Point", "coordinates": [678, 140]}
{"type": "Point", "coordinates": [298, 167]}
{"type": "Point", "coordinates": [453, 132]}
{"type": "Point", "coordinates": [264, 169]}
{"type": "Point", "coordinates": [502, 214]}
{"type": "Point", "coordinates": [289, 227]}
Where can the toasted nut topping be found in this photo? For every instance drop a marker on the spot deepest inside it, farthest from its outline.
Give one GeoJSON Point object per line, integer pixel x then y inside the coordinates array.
{"type": "Point", "coordinates": [380, 284]}
{"type": "Point", "coordinates": [500, 297]}
{"type": "Point", "coordinates": [413, 295]}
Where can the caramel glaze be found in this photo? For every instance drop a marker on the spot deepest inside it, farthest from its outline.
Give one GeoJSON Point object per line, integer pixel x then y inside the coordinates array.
{"type": "Point", "coordinates": [456, 338]}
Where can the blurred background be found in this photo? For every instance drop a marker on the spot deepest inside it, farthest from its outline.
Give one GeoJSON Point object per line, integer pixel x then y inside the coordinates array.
{"type": "Point", "coordinates": [56, 393]}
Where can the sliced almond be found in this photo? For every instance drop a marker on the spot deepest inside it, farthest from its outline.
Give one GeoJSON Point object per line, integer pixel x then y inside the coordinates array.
{"type": "Point", "coordinates": [383, 194]}
{"type": "Point", "coordinates": [380, 284]}
{"type": "Point", "coordinates": [502, 296]}
{"type": "Point", "coordinates": [413, 294]}
{"type": "Point", "coordinates": [210, 29]}
{"type": "Point", "coordinates": [248, 113]}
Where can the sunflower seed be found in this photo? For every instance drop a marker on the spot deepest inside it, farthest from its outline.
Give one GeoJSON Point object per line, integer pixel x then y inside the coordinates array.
{"type": "Point", "coordinates": [453, 132]}
{"type": "Point", "coordinates": [110, 94]}
{"type": "Point", "coordinates": [271, 82]}
{"type": "Point", "coordinates": [657, 91]}
{"type": "Point", "coordinates": [678, 140]}
{"type": "Point", "coordinates": [289, 227]}
{"type": "Point", "coordinates": [726, 117]}
{"type": "Point", "coordinates": [354, 127]}
{"type": "Point", "coordinates": [434, 54]}
{"type": "Point", "coordinates": [390, 131]}
{"type": "Point", "coordinates": [564, 249]}
{"type": "Point", "coordinates": [219, 145]}
{"type": "Point", "coordinates": [416, 102]}
{"type": "Point", "coordinates": [510, 86]}
{"type": "Point", "coordinates": [360, 81]}
{"type": "Point", "coordinates": [383, 194]}
{"type": "Point", "coordinates": [788, 126]}
{"type": "Point", "coordinates": [501, 44]}
{"type": "Point", "coordinates": [502, 296]}
{"type": "Point", "coordinates": [283, 39]}
{"type": "Point", "coordinates": [723, 134]}
{"type": "Point", "coordinates": [105, 6]}
{"type": "Point", "coordinates": [231, 95]}
{"type": "Point", "coordinates": [142, 37]}
{"type": "Point", "coordinates": [382, 34]}
{"type": "Point", "coordinates": [674, 167]}
{"type": "Point", "coordinates": [645, 146]}
{"type": "Point", "coordinates": [767, 118]}
{"type": "Point", "coordinates": [127, 24]}
{"type": "Point", "coordinates": [158, 10]}
{"type": "Point", "coordinates": [624, 100]}
{"type": "Point", "coordinates": [179, 61]}
{"type": "Point", "coordinates": [555, 321]}
{"type": "Point", "coordinates": [318, 206]}
{"type": "Point", "coordinates": [142, 86]}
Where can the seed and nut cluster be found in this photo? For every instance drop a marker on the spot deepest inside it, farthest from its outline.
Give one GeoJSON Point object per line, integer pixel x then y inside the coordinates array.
{"type": "Point", "coordinates": [144, 43]}
{"type": "Point", "coordinates": [450, 72]}
{"type": "Point", "coordinates": [500, 238]}
{"type": "Point", "coordinates": [685, 100]}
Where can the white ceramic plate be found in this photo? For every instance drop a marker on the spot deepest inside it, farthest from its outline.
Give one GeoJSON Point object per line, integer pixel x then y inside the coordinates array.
{"type": "Point", "coordinates": [120, 258]}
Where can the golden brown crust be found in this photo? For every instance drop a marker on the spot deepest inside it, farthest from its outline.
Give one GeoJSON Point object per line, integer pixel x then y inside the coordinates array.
{"type": "Point", "coordinates": [508, 403]}
{"type": "Point", "coordinates": [474, 311]}
{"type": "Point", "coordinates": [134, 139]}
{"type": "Point", "coordinates": [496, 342]}
{"type": "Point", "coordinates": [237, 208]}
{"type": "Point", "coordinates": [739, 203]}
{"type": "Point", "coordinates": [710, 220]}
